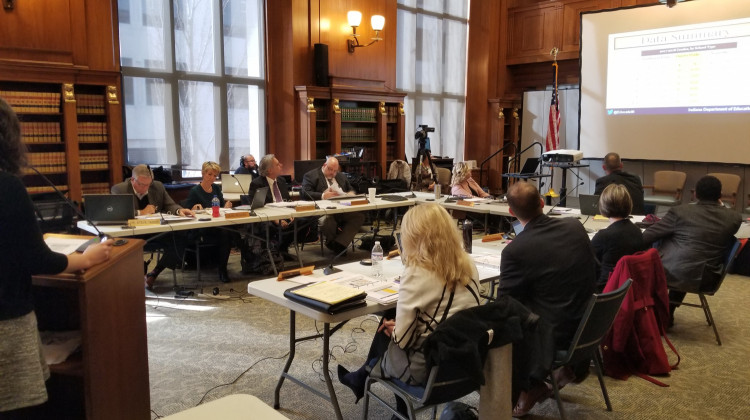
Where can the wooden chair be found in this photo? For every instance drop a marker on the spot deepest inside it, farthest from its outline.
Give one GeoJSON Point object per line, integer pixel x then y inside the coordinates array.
{"type": "Point", "coordinates": [667, 188]}
{"type": "Point", "coordinates": [730, 188]}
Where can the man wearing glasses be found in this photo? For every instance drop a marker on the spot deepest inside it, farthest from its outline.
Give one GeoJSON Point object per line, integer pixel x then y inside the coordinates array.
{"type": "Point", "coordinates": [152, 197]}
{"type": "Point", "coordinates": [248, 166]}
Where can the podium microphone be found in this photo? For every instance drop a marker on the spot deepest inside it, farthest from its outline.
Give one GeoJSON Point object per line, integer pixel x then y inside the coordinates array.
{"type": "Point", "coordinates": [75, 208]}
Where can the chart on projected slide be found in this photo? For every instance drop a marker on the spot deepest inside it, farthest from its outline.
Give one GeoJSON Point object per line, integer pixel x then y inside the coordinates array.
{"type": "Point", "coordinates": [684, 69]}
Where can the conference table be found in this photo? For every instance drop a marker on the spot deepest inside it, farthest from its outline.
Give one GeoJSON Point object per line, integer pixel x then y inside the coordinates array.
{"type": "Point", "coordinates": [272, 290]}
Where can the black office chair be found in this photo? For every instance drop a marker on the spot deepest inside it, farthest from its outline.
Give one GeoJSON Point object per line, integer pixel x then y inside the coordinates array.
{"type": "Point", "coordinates": [597, 320]}
{"type": "Point", "coordinates": [711, 280]}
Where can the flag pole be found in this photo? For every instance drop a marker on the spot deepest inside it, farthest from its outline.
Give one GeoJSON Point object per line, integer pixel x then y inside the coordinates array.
{"type": "Point", "coordinates": [553, 133]}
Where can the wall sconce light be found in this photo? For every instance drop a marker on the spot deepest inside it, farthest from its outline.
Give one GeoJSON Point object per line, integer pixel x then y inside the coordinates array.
{"type": "Point", "coordinates": [355, 18]}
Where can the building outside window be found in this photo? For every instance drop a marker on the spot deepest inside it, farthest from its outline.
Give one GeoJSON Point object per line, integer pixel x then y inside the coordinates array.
{"type": "Point", "coordinates": [194, 69]}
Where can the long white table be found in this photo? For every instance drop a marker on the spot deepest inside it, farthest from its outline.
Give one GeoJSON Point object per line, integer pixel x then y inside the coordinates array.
{"type": "Point", "coordinates": [273, 290]}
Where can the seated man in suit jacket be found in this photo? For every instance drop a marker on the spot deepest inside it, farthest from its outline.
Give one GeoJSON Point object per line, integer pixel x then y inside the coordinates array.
{"type": "Point", "coordinates": [324, 183]}
{"type": "Point", "coordinates": [550, 267]}
{"type": "Point", "coordinates": [694, 236]}
{"type": "Point", "coordinates": [615, 175]}
{"type": "Point", "coordinates": [278, 191]}
{"type": "Point", "coordinates": [151, 197]}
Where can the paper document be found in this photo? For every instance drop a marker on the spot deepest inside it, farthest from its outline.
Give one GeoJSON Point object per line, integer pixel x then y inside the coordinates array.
{"type": "Point", "coordinates": [58, 345]}
{"type": "Point", "coordinates": [65, 246]}
{"type": "Point", "coordinates": [383, 290]}
{"type": "Point", "coordinates": [328, 292]}
{"type": "Point", "coordinates": [282, 204]}
{"type": "Point", "coordinates": [487, 260]}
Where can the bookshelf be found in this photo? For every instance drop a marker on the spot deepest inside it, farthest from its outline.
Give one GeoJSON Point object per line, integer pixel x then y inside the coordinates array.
{"type": "Point", "coordinates": [72, 133]}
{"type": "Point", "coordinates": [349, 117]}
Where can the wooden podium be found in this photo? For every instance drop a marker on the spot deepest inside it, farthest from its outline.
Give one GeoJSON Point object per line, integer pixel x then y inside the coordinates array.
{"type": "Point", "coordinates": [108, 378]}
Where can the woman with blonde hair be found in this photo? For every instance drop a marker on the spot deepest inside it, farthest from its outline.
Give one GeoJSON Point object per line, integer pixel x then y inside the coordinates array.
{"type": "Point", "coordinates": [462, 184]}
{"type": "Point", "coordinates": [621, 237]}
{"type": "Point", "coordinates": [200, 198]}
{"type": "Point", "coordinates": [439, 279]}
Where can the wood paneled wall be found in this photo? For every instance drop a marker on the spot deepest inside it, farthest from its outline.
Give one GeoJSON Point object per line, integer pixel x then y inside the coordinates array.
{"type": "Point", "coordinates": [293, 27]}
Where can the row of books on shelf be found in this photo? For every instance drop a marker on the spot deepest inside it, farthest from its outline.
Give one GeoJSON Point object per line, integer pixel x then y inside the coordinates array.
{"type": "Point", "coordinates": [45, 189]}
{"type": "Point", "coordinates": [93, 156]}
{"type": "Point", "coordinates": [47, 158]}
{"type": "Point", "coordinates": [94, 166]}
{"type": "Point", "coordinates": [358, 114]}
{"type": "Point", "coordinates": [92, 132]}
{"type": "Point", "coordinates": [47, 169]}
{"type": "Point", "coordinates": [95, 188]}
{"type": "Point", "coordinates": [25, 102]}
{"type": "Point", "coordinates": [358, 134]}
{"type": "Point", "coordinates": [40, 132]}
{"type": "Point", "coordinates": [90, 104]}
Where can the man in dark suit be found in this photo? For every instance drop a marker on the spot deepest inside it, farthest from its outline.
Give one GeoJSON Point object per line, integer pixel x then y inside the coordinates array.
{"type": "Point", "coordinates": [615, 175]}
{"type": "Point", "coordinates": [278, 191]}
{"type": "Point", "coordinates": [248, 166]}
{"type": "Point", "coordinates": [151, 197]}
{"type": "Point", "coordinates": [549, 267]}
{"type": "Point", "coordinates": [694, 236]}
{"type": "Point", "coordinates": [322, 184]}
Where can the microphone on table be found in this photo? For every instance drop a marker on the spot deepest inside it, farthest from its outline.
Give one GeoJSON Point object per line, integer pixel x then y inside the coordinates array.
{"type": "Point", "coordinates": [100, 234]}
{"type": "Point", "coordinates": [330, 269]}
{"type": "Point", "coordinates": [567, 193]}
{"type": "Point", "coordinates": [310, 196]}
{"type": "Point", "coordinates": [244, 193]}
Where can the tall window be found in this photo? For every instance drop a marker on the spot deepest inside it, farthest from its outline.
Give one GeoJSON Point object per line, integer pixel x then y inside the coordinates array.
{"type": "Point", "coordinates": [431, 69]}
{"type": "Point", "coordinates": [194, 69]}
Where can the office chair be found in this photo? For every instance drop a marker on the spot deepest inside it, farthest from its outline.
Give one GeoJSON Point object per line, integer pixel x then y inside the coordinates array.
{"type": "Point", "coordinates": [667, 188]}
{"type": "Point", "coordinates": [595, 323]}
{"type": "Point", "coordinates": [710, 283]}
{"type": "Point", "coordinates": [730, 188]}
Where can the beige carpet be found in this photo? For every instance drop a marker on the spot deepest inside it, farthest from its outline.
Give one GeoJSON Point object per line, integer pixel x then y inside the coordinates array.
{"type": "Point", "coordinates": [201, 349]}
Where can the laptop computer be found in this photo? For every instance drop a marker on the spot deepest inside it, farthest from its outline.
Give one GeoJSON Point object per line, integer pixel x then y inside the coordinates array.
{"type": "Point", "coordinates": [109, 209]}
{"type": "Point", "coordinates": [239, 183]}
{"type": "Point", "coordinates": [258, 200]}
{"type": "Point", "coordinates": [589, 204]}
{"type": "Point", "coordinates": [530, 167]}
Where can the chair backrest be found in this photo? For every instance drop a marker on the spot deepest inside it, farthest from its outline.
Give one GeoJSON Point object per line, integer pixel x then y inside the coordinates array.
{"type": "Point", "coordinates": [710, 282]}
{"type": "Point", "coordinates": [669, 182]}
{"type": "Point", "coordinates": [444, 178]}
{"type": "Point", "coordinates": [596, 321]}
{"type": "Point", "coordinates": [730, 187]}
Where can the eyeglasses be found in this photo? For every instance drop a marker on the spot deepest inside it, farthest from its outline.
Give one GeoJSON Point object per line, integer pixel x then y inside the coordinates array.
{"type": "Point", "coordinates": [141, 184]}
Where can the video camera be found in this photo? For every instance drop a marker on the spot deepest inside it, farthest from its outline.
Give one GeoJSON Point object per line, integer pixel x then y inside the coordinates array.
{"type": "Point", "coordinates": [421, 136]}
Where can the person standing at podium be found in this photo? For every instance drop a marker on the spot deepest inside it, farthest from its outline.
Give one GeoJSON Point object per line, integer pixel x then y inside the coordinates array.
{"type": "Point", "coordinates": [24, 253]}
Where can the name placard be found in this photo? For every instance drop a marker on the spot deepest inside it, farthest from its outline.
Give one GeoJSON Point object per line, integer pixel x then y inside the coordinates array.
{"type": "Point", "coordinates": [492, 237]}
{"type": "Point", "coordinates": [236, 214]}
{"type": "Point", "coordinates": [465, 203]}
{"type": "Point", "coordinates": [305, 207]}
{"type": "Point", "coordinates": [303, 271]}
{"type": "Point", "coordinates": [143, 222]}
{"type": "Point", "coordinates": [359, 202]}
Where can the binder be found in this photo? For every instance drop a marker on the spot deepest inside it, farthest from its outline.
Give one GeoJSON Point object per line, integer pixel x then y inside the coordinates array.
{"type": "Point", "coordinates": [355, 301]}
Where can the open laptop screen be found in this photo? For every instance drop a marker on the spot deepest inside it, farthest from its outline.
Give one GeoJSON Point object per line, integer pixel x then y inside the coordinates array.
{"type": "Point", "coordinates": [113, 209]}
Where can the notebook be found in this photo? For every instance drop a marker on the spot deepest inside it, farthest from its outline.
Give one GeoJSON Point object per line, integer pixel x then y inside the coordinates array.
{"type": "Point", "coordinates": [236, 183]}
{"type": "Point", "coordinates": [589, 204]}
{"type": "Point", "coordinates": [109, 209]}
{"type": "Point", "coordinates": [258, 201]}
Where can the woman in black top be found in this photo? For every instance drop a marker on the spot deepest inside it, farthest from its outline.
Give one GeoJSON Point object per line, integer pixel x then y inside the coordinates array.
{"type": "Point", "coordinates": [621, 238]}
{"type": "Point", "coordinates": [200, 198]}
{"type": "Point", "coordinates": [24, 253]}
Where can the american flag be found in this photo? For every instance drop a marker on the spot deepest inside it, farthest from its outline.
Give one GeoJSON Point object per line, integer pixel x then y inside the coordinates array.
{"type": "Point", "coordinates": [553, 133]}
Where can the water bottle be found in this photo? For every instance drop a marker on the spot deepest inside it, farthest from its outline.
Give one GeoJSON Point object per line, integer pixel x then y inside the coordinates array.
{"type": "Point", "coordinates": [468, 232]}
{"type": "Point", "coordinates": [377, 260]}
{"type": "Point", "coordinates": [215, 203]}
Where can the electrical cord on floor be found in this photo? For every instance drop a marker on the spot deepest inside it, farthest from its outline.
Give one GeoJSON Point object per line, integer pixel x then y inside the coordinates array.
{"type": "Point", "coordinates": [349, 347]}
{"type": "Point", "coordinates": [239, 376]}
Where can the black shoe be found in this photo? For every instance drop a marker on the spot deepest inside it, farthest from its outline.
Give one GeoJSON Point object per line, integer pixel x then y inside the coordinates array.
{"type": "Point", "coordinates": [354, 380]}
{"type": "Point", "coordinates": [224, 276]}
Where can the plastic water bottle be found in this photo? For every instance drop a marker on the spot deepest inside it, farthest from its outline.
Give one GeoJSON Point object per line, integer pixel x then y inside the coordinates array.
{"type": "Point", "coordinates": [468, 234]}
{"type": "Point", "coordinates": [215, 203]}
{"type": "Point", "coordinates": [377, 260]}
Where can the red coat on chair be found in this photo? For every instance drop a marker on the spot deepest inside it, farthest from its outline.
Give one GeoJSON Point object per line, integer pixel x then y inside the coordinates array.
{"type": "Point", "coordinates": [634, 346]}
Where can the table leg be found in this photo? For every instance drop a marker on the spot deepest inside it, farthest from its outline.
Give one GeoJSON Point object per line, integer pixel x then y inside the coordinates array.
{"type": "Point", "coordinates": [326, 374]}
{"type": "Point", "coordinates": [268, 248]}
{"type": "Point", "coordinates": [292, 347]}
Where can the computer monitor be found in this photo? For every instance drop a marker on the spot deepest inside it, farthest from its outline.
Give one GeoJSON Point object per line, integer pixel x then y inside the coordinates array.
{"type": "Point", "coordinates": [301, 167]}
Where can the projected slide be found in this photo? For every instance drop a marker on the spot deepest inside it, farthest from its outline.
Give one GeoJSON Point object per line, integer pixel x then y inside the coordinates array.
{"type": "Point", "coordinates": [690, 69]}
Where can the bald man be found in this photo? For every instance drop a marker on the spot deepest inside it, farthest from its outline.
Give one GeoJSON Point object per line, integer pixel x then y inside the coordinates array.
{"type": "Point", "coordinates": [612, 165]}
{"type": "Point", "coordinates": [327, 182]}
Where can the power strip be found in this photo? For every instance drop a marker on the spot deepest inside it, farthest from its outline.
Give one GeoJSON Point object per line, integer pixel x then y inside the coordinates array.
{"type": "Point", "coordinates": [207, 295]}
